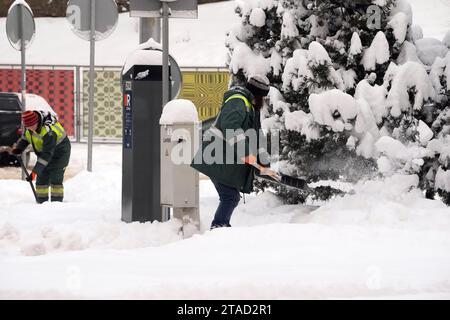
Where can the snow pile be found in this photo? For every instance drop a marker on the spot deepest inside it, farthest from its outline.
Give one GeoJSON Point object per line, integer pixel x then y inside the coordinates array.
{"type": "Point", "coordinates": [441, 147]}
{"type": "Point", "coordinates": [408, 52]}
{"type": "Point", "coordinates": [440, 70]}
{"type": "Point", "coordinates": [377, 53]}
{"type": "Point", "coordinates": [416, 32]}
{"type": "Point", "coordinates": [399, 24]}
{"type": "Point", "coordinates": [404, 7]}
{"type": "Point", "coordinates": [334, 109]}
{"type": "Point", "coordinates": [361, 237]}
{"type": "Point", "coordinates": [319, 28]}
{"type": "Point", "coordinates": [144, 55]}
{"type": "Point", "coordinates": [276, 62]}
{"type": "Point", "coordinates": [443, 179]}
{"type": "Point", "coordinates": [410, 76]}
{"type": "Point", "coordinates": [355, 44]}
{"type": "Point", "coordinates": [428, 49]}
{"type": "Point", "coordinates": [446, 39]}
{"type": "Point", "coordinates": [348, 77]}
{"type": "Point", "coordinates": [302, 122]}
{"type": "Point", "coordinates": [392, 202]}
{"type": "Point", "coordinates": [177, 111]}
{"type": "Point", "coordinates": [375, 96]}
{"type": "Point", "coordinates": [296, 70]}
{"type": "Point", "coordinates": [317, 55]}
{"type": "Point", "coordinates": [289, 27]}
{"type": "Point", "coordinates": [35, 102]}
{"type": "Point", "coordinates": [396, 157]}
{"type": "Point", "coordinates": [87, 219]}
{"type": "Point", "coordinates": [244, 58]}
{"type": "Point", "coordinates": [258, 17]}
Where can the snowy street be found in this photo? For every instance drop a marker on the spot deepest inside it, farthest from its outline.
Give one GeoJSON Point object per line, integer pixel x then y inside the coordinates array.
{"type": "Point", "coordinates": [354, 95]}
{"type": "Point", "coordinates": [392, 245]}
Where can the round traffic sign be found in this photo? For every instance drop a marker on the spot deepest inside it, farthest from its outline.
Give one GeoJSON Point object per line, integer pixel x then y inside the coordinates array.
{"type": "Point", "coordinates": [78, 14]}
{"type": "Point", "coordinates": [20, 22]}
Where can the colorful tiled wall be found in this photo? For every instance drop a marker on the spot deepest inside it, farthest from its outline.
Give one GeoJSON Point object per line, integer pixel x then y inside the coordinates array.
{"type": "Point", "coordinates": [55, 86]}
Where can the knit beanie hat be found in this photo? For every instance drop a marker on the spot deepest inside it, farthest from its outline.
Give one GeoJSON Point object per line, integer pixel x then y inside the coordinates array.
{"type": "Point", "coordinates": [30, 118]}
{"type": "Point", "coordinates": [258, 85]}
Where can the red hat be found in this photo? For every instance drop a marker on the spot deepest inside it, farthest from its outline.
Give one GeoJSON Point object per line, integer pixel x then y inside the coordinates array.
{"type": "Point", "coordinates": [30, 118]}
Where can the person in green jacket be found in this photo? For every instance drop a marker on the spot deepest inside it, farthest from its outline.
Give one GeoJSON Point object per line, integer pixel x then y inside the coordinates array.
{"type": "Point", "coordinates": [227, 152]}
{"type": "Point", "coordinates": [52, 148]}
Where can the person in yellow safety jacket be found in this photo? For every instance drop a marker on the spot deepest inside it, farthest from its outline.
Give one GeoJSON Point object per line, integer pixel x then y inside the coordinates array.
{"type": "Point", "coordinates": [52, 147]}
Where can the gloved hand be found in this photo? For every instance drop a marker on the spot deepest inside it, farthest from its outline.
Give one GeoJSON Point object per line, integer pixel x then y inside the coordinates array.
{"type": "Point", "coordinates": [250, 159]}
{"type": "Point", "coordinates": [31, 177]}
{"type": "Point", "coordinates": [16, 151]}
{"type": "Point", "coordinates": [269, 172]}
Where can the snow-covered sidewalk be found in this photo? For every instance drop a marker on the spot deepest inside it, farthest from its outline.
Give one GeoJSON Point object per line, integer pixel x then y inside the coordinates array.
{"type": "Point", "coordinates": [382, 242]}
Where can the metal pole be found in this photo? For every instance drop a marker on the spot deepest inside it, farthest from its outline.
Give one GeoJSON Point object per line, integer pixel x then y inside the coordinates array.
{"type": "Point", "coordinates": [165, 211]}
{"type": "Point", "coordinates": [22, 53]}
{"type": "Point", "coordinates": [78, 122]}
{"type": "Point", "coordinates": [165, 45]}
{"type": "Point", "coordinates": [24, 73]}
{"type": "Point", "coordinates": [149, 28]}
{"type": "Point", "coordinates": [91, 88]}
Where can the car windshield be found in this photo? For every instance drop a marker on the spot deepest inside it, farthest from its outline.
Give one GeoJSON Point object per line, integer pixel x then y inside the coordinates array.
{"type": "Point", "coordinates": [9, 104]}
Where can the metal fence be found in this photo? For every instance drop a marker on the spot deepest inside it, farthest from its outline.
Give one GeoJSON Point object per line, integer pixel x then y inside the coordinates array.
{"type": "Point", "coordinates": [66, 90]}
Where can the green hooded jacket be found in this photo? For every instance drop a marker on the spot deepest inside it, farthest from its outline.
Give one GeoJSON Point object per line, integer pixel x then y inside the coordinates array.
{"type": "Point", "coordinates": [239, 115]}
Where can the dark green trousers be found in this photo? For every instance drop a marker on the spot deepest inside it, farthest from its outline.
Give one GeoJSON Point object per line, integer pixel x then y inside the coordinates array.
{"type": "Point", "coordinates": [52, 177]}
{"type": "Point", "coordinates": [50, 180]}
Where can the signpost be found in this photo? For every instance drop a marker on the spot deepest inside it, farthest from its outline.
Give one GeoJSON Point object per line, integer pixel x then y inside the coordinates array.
{"type": "Point", "coordinates": [20, 29]}
{"type": "Point", "coordinates": [92, 20]}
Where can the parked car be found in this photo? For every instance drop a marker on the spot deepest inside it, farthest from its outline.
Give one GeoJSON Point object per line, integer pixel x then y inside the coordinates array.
{"type": "Point", "coordinates": [10, 122]}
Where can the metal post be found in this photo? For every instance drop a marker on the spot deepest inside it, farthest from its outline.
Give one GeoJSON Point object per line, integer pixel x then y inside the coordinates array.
{"type": "Point", "coordinates": [165, 45]}
{"type": "Point", "coordinates": [149, 28]}
{"type": "Point", "coordinates": [91, 88]}
{"type": "Point", "coordinates": [24, 74]}
{"type": "Point", "coordinates": [78, 122]}
{"type": "Point", "coordinates": [22, 53]}
{"type": "Point", "coordinates": [165, 76]}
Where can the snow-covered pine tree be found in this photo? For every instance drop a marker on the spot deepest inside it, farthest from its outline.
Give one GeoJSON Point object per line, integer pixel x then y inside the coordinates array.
{"type": "Point", "coordinates": [314, 53]}
{"type": "Point", "coordinates": [436, 170]}
{"type": "Point", "coordinates": [348, 89]}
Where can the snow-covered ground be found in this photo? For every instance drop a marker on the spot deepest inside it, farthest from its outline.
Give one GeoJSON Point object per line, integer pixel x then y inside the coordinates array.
{"type": "Point", "coordinates": [381, 242]}
{"type": "Point", "coordinates": [193, 42]}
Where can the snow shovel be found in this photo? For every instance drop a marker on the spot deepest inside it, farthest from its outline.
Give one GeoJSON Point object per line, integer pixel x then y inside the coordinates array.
{"type": "Point", "coordinates": [29, 179]}
{"type": "Point", "coordinates": [286, 180]}
{"type": "Point", "coordinates": [300, 184]}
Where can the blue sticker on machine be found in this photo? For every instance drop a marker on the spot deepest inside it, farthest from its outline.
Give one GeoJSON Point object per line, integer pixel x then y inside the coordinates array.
{"type": "Point", "coordinates": [127, 121]}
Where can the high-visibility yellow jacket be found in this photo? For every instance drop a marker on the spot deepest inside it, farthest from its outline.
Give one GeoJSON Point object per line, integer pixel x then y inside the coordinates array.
{"type": "Point", "coordinates": [50, 143]}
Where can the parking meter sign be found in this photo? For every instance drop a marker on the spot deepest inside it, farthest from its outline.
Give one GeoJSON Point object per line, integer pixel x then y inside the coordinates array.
{"type": "Point", "coordinates": [127, 122]}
